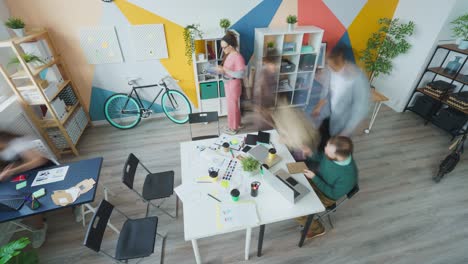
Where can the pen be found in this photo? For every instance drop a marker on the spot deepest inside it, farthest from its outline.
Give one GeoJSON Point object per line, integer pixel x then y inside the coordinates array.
{"type": "Point", "coordinates": [214, 197]}
{"type": "Point", "coordinates": [203, 182]}
{"type": "Point", "coordinates": [232, 154]}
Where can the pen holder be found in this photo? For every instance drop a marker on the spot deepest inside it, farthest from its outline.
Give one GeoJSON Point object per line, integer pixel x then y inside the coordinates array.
{"type": "Point", "coordinates": [235, 195]}
{"type": "Point", "coordinates": [254, 188]}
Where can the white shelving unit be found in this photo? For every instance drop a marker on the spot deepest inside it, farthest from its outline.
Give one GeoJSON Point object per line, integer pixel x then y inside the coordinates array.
{"type": "Point", "coordinates": [210, 87]}
{"type": "Point", "coordinates": [298, 51]}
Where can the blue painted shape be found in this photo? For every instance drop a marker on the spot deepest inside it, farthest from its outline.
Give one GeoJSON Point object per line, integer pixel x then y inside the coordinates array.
{"type": "Point", "coordinates": [344, 41]}
{"type": "Point", "coordinates": [43, 74]}
{"type": "Point", "coordinates": [258, 17]}
{"type": "Point", "coordinates": [99, 97]}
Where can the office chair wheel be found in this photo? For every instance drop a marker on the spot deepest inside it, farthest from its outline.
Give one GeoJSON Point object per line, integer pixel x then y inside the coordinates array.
{"type": "Point", "coordinates": [367, 131]}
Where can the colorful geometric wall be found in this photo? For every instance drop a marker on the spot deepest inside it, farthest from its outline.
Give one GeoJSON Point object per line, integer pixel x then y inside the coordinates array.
{"type": "Point", "coordinates": [345, 21]}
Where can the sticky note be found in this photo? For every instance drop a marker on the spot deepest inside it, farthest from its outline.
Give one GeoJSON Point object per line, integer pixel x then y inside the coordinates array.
{"type": "Point", "coordinates": [21, 185]}
{"type": "Point", "coordinates": [39, 193]}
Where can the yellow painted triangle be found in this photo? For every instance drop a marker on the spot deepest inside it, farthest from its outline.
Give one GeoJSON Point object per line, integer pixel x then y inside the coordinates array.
{"type": "Point", "coordinates": [176, 64]}
{"type": "Point", "coordinates": [365, 24]}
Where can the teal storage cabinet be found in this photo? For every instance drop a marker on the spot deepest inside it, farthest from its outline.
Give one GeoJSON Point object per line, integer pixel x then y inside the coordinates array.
{"type": "Point", "coordinates": [221, 89]}
{"type": "Point", "coordinates": [208, 90]}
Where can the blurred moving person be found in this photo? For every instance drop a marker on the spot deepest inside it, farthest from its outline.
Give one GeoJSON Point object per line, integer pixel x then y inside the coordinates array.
{"type": "Point", "coordinates": [264, 96]}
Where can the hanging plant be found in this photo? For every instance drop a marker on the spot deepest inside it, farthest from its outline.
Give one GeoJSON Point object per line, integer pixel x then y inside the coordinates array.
{"type": "Point", "coordinates": [190, 33]}
{"type": "Point", "coordinates": [27, 57]}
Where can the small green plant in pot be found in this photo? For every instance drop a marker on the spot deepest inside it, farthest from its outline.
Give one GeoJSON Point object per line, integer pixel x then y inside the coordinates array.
{"type": "Point", "coordinates": [31, 59]}
{"type": "Point", "coordinates": [384, 45]}
{"type": "Point", "coordinates": [17, 25]}
{"type": "Point", "coordinates": [460, 29]}
{"type": "Point", "coordinates": [291, 20]}
{"type": "Point", "coordinates": [250, 165]}
{"type": "Point", "coordinates": [13, 253]}
{"type": "Point", "coordinates": [224, 23]}
{"type": "Point", "coordinates": [190, 33]}
{"type": "Point", "coordinates": [270, 48]}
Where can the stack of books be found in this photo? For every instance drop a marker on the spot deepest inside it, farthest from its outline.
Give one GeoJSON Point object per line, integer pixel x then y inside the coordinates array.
{"type": "Point", "coordinates": [439, 88]}
{"type": "Point", "coordinates": [459, 100]}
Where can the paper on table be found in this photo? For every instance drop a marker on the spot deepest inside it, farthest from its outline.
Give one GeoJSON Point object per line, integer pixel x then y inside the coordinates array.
{"type": "Point", "coordinates": [74, 192]}
{"type": "Point", "coordinates": [188, 192]}
{"type": "Point", "coordinates": [50, 176]}
{"type": "Point", "coordinates": [240, 214]}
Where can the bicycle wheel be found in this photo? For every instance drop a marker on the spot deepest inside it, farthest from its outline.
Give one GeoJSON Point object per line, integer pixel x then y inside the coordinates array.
{"type": "Point", "coordinates": [176, 106]}
{"type": "Point", "coordinates": [122, 111]}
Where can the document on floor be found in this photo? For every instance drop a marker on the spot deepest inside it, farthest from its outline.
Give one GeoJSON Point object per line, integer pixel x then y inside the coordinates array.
{"type": "Point", "coordinates": [50, 176]}
{"type": "Point", "coordinates": [240, 214]}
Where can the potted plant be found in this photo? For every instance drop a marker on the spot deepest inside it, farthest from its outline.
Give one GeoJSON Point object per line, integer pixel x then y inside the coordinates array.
{"type": "Point", "coordinates": [32, 60]}
{"type": "Point", "coordinates": [291, 20]}
{"type": "Point", "coordinates": [12, 253]}
{"type": "Point", "coordinates": [384, 45]}
{"type": "Point", "coordinates": [250, 165]}
{"type": "Point", "coordinates": [224, 23]}
{"type": "Point", "coordinates": [460, 29]}
{"type": "Point", "coordinates": [190, 33]}
{"type": "Point", "coordinates": [17, 25]}
{"type": "Point", "coordinates": [270, 48]}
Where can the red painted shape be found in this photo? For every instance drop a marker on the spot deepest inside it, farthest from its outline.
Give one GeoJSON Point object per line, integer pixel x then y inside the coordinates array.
{"type": "Point", "coordinates": [317, 13]}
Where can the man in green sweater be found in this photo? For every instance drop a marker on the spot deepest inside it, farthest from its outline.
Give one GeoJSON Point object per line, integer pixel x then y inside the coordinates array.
{"type": "Point", "coordinates": [332, 175]}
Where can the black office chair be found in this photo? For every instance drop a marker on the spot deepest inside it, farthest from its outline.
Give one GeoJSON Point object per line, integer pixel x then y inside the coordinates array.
{"type": "Point", "coordinates": [332, 208]}
{"type": "Point", "coordinates": [136, 239]}
{"type": "Point", "coordinates": [157, 185]}
{"type": "Point", "coordinates": [200, 118]}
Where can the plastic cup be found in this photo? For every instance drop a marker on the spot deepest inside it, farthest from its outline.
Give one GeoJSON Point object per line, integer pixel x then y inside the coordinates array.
{"type": "Point", "coordinates": [226, 146]}
{"type": "Point", "coordinates": [272, 153]}
{"type": "Point", "coordinates": [235, 195]}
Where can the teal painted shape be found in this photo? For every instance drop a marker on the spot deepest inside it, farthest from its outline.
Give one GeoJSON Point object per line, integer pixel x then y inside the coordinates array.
{"type": "Point", "coordinates": [99, 97]}
{"type": "Point", "coordinates": [43, 74]}
{"type": "Point", "coordinates": [259, 17]}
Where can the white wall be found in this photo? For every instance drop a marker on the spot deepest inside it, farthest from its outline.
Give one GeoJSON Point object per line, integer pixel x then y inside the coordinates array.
{"type": "Point", "coordinates": [431, 18]}
{"type": "Point", "coordinates": [5, 53]}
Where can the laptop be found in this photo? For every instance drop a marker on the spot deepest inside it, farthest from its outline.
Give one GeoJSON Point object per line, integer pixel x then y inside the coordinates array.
{"type": "Point", "coordinates": [285, 185]}
{"type": "Point", "coordinates": [11, 202]}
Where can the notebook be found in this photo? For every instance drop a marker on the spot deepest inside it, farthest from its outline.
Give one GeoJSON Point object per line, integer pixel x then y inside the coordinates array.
{"type": "Point", "coordinates": [296, 167]}
{"type": "Point", "coordinates": [251, 139]}
{"type": "Point", "coordinates": [263, 137]}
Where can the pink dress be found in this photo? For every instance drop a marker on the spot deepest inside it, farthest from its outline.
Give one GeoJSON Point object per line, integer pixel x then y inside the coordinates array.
{"type": "Point", "coordinates": [234, 67]}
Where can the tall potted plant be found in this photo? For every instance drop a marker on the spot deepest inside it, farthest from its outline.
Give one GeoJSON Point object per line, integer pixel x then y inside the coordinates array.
{"type": "Point", "coordinates": [460, 29]}
{"type": "Point", "coordinates": [12, 253]}
{"type": "Point", "coordinates": [384, 45]}
{"type": "Point", "coordinates": [190, 33]}
{"type": "Point", "coordinates": [17, 25]}
{"type": "Point", "coordinates": [224, 23]}
{"type": "Point", "coordinates": [291, 20]}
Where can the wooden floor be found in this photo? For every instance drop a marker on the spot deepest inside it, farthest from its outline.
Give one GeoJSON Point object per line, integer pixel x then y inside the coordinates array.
{"type": "Point", "coordinates": [399, 216]}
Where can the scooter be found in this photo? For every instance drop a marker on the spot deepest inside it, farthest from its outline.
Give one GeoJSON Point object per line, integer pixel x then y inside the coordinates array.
{"type": "Point", "coordinates": [450, 162]}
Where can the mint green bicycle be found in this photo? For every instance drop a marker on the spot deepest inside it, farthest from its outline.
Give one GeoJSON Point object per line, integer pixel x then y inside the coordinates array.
{"type": "Point", "coordinates": [124, 111]}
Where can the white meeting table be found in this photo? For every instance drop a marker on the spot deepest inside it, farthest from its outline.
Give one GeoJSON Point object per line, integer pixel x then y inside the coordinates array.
{"type": "Point", "coordinates": [200, 212]}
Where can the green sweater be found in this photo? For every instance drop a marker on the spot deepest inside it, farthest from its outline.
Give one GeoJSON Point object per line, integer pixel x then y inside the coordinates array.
{"type": "Point", "coordinates": [334, 179]}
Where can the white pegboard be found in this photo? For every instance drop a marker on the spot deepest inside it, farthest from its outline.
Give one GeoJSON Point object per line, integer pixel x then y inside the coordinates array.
{"type": "Point", "coordinates": [148, 42]}
{"type": "Point", "coordinates": [100, 45]}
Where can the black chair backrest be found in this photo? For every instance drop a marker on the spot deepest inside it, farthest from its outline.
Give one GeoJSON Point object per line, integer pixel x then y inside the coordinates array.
{"type": "Point", "coordinates": [97, 226]}
{"type": "Point", "coordinates": [353, 191]}
{"type": "Point", "coordinates": [129, 170]}
{"type": "Point", "coordinates": [203, 117]}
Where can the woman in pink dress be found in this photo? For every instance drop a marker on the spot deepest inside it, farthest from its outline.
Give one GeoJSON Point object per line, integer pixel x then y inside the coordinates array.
{"type": "Point", "coordinates": [232, 69]}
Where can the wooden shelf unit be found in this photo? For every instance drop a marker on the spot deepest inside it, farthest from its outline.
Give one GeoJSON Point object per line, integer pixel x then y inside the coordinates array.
{"type": "Point", "coordinates": [457, 78]}
{"type": "Point", "coordinates": [60, 126]}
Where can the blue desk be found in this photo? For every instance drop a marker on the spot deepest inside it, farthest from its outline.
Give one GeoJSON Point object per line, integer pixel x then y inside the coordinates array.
{"type": "Point", "coordinates": [77, 172]}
